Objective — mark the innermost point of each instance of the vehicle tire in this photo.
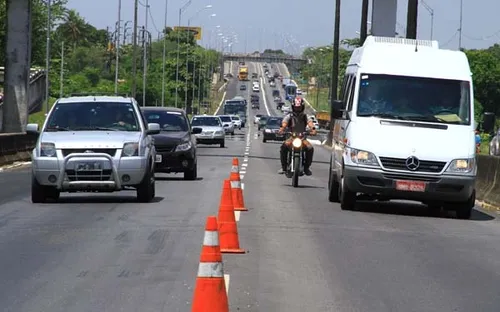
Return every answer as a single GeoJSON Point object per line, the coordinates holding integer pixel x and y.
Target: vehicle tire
{"type": "Point", "coordinates": [53, 193]}
{"type": "Point", "coordinates": [333, 187]}
{"type": "Point", "coordinates": [464, 210]}
{"type": "Point", "coordinates": [296, 171]}
{"type": "Point", "coordinates": [347, 197]}
{"type": "Point", "coordinates": [38, 192]}
{"type": "Point", "coordinates": [146, 190]}
{"type": "Point", "coordinates": [232, 133]}
{"type": "Point", "coordinates": [191, 174]}
{"type": "Point", "coordinates": [223, 144]}
{"type": "Point", "coordinates": [264, 139]}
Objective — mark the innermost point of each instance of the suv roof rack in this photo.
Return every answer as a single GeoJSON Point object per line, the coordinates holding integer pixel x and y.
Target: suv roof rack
{"type": "Point", "coordinates": [99, 94]}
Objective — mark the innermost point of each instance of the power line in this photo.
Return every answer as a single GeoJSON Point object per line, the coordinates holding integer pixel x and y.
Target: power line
{"type": "Point", "coordinates": [495, 34]}
{"type": "Point", "coordinates": [152, 19]}
{"type": "Point", "coordinates": [451, 39]}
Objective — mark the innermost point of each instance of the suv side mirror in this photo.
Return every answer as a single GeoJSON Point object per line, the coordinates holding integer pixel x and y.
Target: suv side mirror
{"type": "Point", "coordinates": [196, 130]}
{"type": "Point", "coordinates": [32, 128]}
{"type": "Point", "coordinates": [337, 109]}
{"type": "Point", "coordinates": [153, 128]}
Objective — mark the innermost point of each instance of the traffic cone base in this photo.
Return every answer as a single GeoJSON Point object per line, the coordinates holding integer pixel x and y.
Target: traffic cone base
{"type": "Point", "coordinates": [229, 238]}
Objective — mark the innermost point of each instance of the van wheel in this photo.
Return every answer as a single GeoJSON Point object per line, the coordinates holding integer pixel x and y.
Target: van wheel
{"type": "Point", "coordinates": [146, 190]}
{"type": "Point", "coordinates": [464, 210]}
{"type": "Point", "coordinates": [333, 188]}
{"type": "Point", "coordinates": [346, 196]}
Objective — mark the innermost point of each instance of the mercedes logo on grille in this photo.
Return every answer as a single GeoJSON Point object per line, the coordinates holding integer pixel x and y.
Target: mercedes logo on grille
{"type": "Point", "coordinates": [412, 163]}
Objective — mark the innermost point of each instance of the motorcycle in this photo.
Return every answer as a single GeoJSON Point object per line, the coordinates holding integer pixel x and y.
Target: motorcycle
{"type": "Point", "coordinates": [296, 158]}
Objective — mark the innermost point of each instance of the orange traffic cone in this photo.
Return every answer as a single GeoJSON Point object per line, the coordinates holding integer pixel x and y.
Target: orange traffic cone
{"type": "Point", "coordinates": [210, 290]}
{"type": "Point", "coordinates": [228, 230]}
{"type": "Point", "coordinates": [236, 190]}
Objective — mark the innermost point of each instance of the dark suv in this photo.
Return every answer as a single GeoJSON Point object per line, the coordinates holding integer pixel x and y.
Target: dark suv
{"type": "Point", "coordinates": [175, 144]}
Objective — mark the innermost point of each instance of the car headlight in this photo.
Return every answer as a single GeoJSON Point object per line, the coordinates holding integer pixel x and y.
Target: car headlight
{"type": "Point", "coordinates": [47, 149]}
{"type": "Point", "coordinates": [268, 130]}
{"type": "Point", "coordinates": [462, 165]}
{"type": "Point", "coordinates": [297, 142]}
{"type": "Point", "coordinates": [130, 149]}
{"type": "Point", "coordinates": [363, 157]}
{"type": "Point", "coordinates": [219, 132]}
{"type": "Point", "coordinates": [183, 147]}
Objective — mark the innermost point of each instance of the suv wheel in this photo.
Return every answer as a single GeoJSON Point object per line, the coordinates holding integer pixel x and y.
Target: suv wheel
{"type": "Point", "coordinates": [146, 190]}
{"type": "Point", "coordinates": [38, 192]}
{"type": "Point", "coordinates": [191, 174]}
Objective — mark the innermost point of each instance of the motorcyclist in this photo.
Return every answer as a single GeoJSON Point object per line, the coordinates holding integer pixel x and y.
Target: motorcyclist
{"type": "Point", "coordinates": [297, 122]}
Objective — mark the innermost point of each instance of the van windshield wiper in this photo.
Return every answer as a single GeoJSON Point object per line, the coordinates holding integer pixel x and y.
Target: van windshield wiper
{"type": "Point", "coordinates": [383, 115]}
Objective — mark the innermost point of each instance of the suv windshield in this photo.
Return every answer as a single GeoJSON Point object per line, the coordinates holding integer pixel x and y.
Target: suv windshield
{"type": "Point", "coordinates": [415, 99]}
{"type": "Point", "coordinates": [235, 118]}
{"type": "Point", "coordinates": [206, 121]}
{"type": "Point", "coordinates": [88, 116]}
{"type": "Point", "coordinates": [168, 121]}
{"type": "Point", "coordinates": [273, 122]}
{"type": "Point", "coordinates": [225, 118]}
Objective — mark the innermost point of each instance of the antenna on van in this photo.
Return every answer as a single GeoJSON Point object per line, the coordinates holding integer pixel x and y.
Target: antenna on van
{"type": "Point", "coordinates": [416, 45]}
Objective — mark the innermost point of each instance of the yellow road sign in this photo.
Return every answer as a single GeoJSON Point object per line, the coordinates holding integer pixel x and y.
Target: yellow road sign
{"type": "Point", "coordinates": [195, 30]}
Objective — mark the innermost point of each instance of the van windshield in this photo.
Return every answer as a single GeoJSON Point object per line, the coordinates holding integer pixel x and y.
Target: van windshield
{"type": "Point", "coordinates": [414, 99]}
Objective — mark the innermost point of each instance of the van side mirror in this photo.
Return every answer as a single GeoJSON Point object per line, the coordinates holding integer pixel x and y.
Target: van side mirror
{"type": "Point", "coordinates": [196, 130]}
{"type": "Point", "coordinates": [337, 109]}
{"type": "Point", "coordinates": [489, 122]}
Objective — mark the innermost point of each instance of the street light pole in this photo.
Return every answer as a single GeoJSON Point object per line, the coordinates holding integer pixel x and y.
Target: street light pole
{"type": "Point", "coordinates": [134, 50]}
{"type": "Point", "coordinates": [164, 55]}
{"type": "Point", "coordinates": [181, 10]}
{"type": "Point", "coordinates": [145, 56]}
{"type": "Point", "coordinates": [117, 45]}
{"type": "Point", "coordinates": [47, 55]}
{"type": "Point", "coordinates": [61, 74]}
{"type": "Point", "coordinates": [431, 12]}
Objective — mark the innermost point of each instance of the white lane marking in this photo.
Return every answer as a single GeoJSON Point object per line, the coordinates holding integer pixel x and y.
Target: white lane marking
{"type": "Point", "coordinates": [227, 278]}
{"type": "Point", "coordinates": [244, 165]}
{"type": "Point", "coordinates": [220, 104]}
{"type": "Point", "coordinates": [242, 186]}
{"type": "Point", "coordinates": [242, 176]}
{"type": "Point", "coordinates": [243, 171]}
{"type": "Point", "coordinates": [245, 159]}
{"type": "Point", "coordinates": [264, 96]}
{"type": "Point", "coordinates": [237, 215]}
{"type": "Point", "coordinates": [247, 153]}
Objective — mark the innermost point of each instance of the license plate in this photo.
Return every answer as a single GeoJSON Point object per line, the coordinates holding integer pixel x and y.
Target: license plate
{"type": "Point", "coordinates": [88, 166]}
{"type": "Point", "coordinates": [158, 159]}
{"type": "Point", "coordinates": [411, 186]}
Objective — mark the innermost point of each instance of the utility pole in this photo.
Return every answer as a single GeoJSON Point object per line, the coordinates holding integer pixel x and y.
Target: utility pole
{"type": "Point", "coordinates": [411, 19]}
{"type": "Point", "coordinates": [461, 23]}
{"type": "Point", "coordinates": [61, 74]}
{"type": "Point", "coordinates": [194, 83]}
{"type": "Point", "coordinates": [164, 55]}
{"type": "Point", "coordinates": [187, 67]}
{"type": "Point", "coordinates": [117, 45]}
{"type": "Point", "coordinates": [335, 64]}
{"type": "Point", "coordinates": [134, 49]}
{"type": "Point", "coordinates": [145, 57]}
{"type": "Point", "coordinates": [47, 55]}
{"type": "Point", "coordinates": [363, 31]}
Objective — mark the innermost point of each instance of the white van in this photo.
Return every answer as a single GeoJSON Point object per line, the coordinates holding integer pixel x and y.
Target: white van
{"type": "Point", "coordinates": [404, 127]}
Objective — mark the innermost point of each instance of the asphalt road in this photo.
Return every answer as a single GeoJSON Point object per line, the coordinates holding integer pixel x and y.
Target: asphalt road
{"type": "Point", "coordinates": [109, 253]}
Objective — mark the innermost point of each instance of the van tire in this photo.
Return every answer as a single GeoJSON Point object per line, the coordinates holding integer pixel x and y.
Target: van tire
{"type": "Point", "coordinates": [346, 196]}
{"type": "Point", "coordinates": [464, 209]}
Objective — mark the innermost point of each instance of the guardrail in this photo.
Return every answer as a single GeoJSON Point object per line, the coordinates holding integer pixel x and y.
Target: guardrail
{"type": "Point", "coordinates": [16, 147]}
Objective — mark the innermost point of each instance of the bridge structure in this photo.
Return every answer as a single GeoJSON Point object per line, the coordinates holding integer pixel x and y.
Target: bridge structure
{"type": "Point", "coordinates": [294, 63]}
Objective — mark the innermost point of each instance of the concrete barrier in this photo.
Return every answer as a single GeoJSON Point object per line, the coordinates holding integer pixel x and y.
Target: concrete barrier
{"type": "Point", "coordinates": [16, 147]}
{"type": "Point", "coordinates": [488, 179]}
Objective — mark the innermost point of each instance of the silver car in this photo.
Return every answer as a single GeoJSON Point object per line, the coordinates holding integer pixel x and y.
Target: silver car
{"type": "Point", "coordinates": [93, 144]}
{"type": "Point", "coordinates": [227, 123]}
{"type": "Point", "coordinates": [212, 131]}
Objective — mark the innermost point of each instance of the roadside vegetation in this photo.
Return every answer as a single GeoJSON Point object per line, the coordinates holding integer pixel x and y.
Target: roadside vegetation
{"type": "Point", "coordinates": [485, 65]}
{"type": "Point", "coordinates": [90, 53]}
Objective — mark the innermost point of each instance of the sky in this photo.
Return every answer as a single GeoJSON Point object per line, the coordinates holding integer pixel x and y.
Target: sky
{"type": "Point", "coordinates": [296, 24]}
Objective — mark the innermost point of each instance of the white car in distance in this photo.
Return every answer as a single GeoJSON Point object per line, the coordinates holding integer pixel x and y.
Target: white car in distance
{"type": "Point", "coordinates": [256, 88]}
{"type": "Point", "coordinates": [236, 121]}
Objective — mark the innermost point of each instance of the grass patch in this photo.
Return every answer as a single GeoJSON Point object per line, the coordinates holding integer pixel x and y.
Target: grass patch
{"type": "Point", "coordinates": [39, 117]}
{"type": "Point", "coordinates": [216, 97]}
{"type": "Point", "coordinates": [317, 98]}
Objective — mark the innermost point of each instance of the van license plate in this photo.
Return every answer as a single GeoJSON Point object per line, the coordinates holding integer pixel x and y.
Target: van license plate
{"type": "Point", "coordinates": [411, 186]}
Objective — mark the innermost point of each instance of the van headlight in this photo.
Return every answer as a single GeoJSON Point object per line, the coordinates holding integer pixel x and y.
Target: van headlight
{"type": "Point", "coordinates": [297, 143]}
{"type": "Point", "coordinates": [130, 149]}
{"type": "Point", "coordinates": [361, 157]}
{"type": "Point", "coordinates": [47, 149]}
{"type": "Point", "coordinates": [465, 165]}
{"type": "Point", "coordinates": [183, 147]}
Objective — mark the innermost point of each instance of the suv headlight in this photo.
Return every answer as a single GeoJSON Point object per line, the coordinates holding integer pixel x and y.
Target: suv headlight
{"type": "Point", "coordinates": [47, 149]}
{"type": "Point", "coordinates": [130, 149]}
{"type": "Point", "coordinates": [183, 146]}
{"type": "Point", "coordinates": [361, 157]}
{"type": "Point", "coordinates": [219, 132]}
{"type": "Point", "coordinates": [465, 165]}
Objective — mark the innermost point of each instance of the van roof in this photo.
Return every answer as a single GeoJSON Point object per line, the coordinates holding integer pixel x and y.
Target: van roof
{"type": "Point", "coordinates": [410, 57]}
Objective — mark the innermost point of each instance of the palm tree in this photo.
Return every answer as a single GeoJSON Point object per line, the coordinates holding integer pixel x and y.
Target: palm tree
{"type": "Point", "coordinates": [74, 28]}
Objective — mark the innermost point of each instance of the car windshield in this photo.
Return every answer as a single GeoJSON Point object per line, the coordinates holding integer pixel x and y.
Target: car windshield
{"type": "Point", "coordinates": [206, 121]}
{"type": "Point", "coordinates": [93, 116]}
{"type": "Point", "coordinates": [225, 118]}
{"type": "Point", "coordinates": [273, 123]}
{"type": "Point", "coordinates": [168, 120]}
{"type": "Point", "coordinates": [263, 119]}
{"type": "Point", "coordinates": [258, 115]}
{"type": "Point", "coordinates": [235, 118]}
{"type": "Point", "coordinates": [415, 99]}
